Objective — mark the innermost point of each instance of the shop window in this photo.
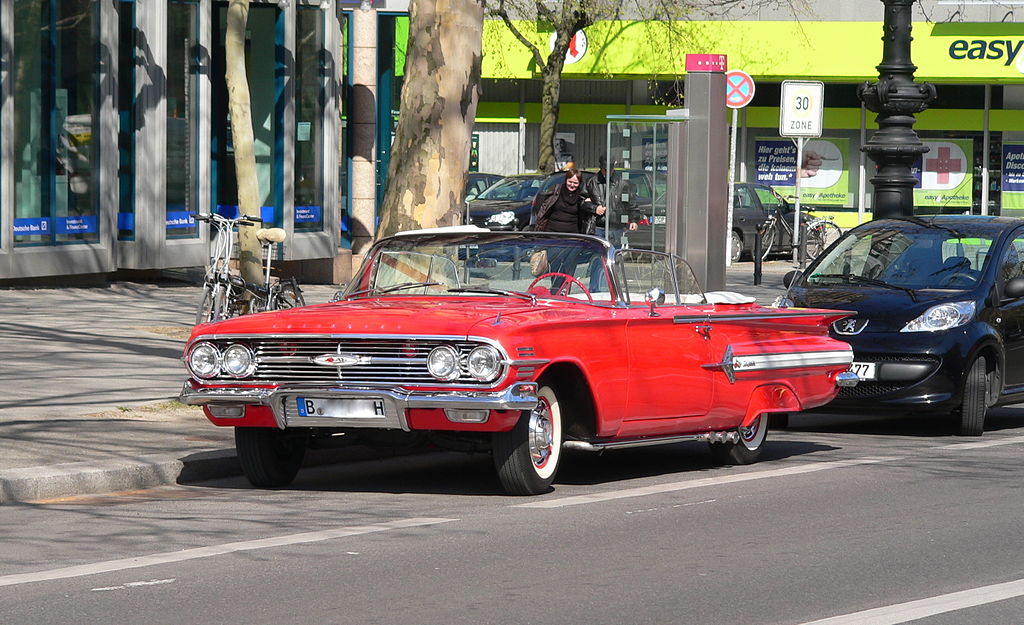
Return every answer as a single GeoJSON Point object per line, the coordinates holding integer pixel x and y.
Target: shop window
{"type": "Point", "coordinates": [55, 131]}
{"type": "Point", "coordinates": [181, 121]}
{"type": "Point", "coordinates": [309, 97]}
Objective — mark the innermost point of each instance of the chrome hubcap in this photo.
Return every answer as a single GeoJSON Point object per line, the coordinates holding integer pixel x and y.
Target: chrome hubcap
{"type": "Point", "coordinates": [541, 434]}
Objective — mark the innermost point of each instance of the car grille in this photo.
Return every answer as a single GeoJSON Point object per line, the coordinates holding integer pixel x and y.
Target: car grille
{"type": "Point", "coordinates": [870, 389]}
{"type": "Point", "coordinates": [383, 361]}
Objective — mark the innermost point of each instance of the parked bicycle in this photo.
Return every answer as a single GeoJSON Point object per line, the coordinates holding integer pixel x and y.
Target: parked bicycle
{"type": "Point", "coordinates": [225, 293]}
{"type": "Point", "coordinates": [818, 233]}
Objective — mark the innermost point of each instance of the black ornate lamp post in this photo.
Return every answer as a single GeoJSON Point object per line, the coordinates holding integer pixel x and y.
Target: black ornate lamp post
{"type": "Point", "coordinates": [896, 98]}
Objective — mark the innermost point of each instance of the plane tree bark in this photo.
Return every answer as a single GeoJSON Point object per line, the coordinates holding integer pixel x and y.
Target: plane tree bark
{"type": "Point", "coordinates": [430, 153]}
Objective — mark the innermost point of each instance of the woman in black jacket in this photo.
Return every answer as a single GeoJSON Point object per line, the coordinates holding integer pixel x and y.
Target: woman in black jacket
{"type": "Point", "coordinates": [569, 208]}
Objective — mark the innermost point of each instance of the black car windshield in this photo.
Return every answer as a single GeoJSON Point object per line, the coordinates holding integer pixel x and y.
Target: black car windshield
{"type": "Point", "coordinates": [904, 256]}
{"type": "Point", "coordinates": [511, 189]}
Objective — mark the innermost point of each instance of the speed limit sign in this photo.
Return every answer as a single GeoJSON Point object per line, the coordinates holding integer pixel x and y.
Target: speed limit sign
{"type": "Point", "coordinates": [801, 108]}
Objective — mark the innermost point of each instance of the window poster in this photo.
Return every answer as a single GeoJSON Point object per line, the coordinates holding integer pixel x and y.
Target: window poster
{"type": "Point", "coordinates": [945, 175]}
{"type": "Point", "coordinates": [1013, 176]}
{"type": "Point", "coordinates": [825, 175]}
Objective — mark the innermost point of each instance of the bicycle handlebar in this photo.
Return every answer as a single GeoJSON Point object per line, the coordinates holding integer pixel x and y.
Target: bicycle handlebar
{"type": "Point", "coordinates": [245, 220]}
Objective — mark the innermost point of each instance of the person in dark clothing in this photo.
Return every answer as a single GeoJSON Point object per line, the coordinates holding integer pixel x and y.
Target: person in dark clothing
{"type": "Point", "coordinates": [568, 208]}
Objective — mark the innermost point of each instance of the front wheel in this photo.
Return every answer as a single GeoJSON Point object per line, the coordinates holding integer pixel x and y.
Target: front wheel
{"type": "Point", "coordinates": [527, 456]}
{"type": "Point", "coordinates": [974, 404]}
{"type": "Point", "coordinates": [748, 449]}
{"type": "Point", "coordinates": [736, 247]}
{"type": "Point", "coordinates": [269, 457]}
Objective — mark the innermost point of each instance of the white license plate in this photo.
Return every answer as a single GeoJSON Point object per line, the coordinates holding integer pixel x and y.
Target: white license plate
{"type": "Point", "coordinates": [369, 408]}
{"type": "Point", "coordinates": [864, 370]}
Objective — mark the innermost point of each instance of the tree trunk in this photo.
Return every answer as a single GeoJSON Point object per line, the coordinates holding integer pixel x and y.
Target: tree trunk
{"type": "Point", "coordinates": [249, 256]}
{"type": "Point", "coordinates": [430, 155]}
{"type": "Point", "coordinates": [549, 104]}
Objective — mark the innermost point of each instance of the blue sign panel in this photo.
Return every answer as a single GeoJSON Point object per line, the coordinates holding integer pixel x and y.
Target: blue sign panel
{"type": "Point", "coordinates": [181, 219]}
{"type": "Point", "coordinates": [29, 225]}
{"type": "Point", "coordinates": [305, 214]}
{"type": "Point", "coordinates": [77, 225]}
{"type": "Point", "coordinates": [775, 163]}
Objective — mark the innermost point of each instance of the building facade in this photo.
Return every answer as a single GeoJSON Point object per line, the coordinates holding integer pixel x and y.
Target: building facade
{"type": "Point", "coordinates": [114, 127]}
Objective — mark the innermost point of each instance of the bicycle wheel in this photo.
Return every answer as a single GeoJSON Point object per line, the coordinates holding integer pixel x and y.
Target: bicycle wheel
{"type": "Point", "coordinates": [287, 295]}
{"type": "Point", "coordinates": [204, 312]}
{"type": "Point", "coordinates": [820, 236]}
{"type": "Point", "coordinates": [768, 239]}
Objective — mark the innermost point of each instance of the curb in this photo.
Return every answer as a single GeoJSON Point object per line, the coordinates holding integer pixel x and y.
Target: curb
{"type": "Point", "coordinates": [133, 473]}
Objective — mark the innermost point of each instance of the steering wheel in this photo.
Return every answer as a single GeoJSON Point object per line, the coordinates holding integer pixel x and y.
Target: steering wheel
{"type": "Point", "coordinates": [960, 278]}
{"type": "Point", "coordinates": [563, 290]}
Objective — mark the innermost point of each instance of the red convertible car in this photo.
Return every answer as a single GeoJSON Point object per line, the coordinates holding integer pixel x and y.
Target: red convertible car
{"type": "Point", "coordinates": [522, 344]}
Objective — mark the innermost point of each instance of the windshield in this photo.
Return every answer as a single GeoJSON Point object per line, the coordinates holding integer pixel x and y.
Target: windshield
{"type": "Point", "coordinates": [511, 189]}
{"type": "Point", "coordinates": [908, 258]}
{"type": "Point", "coordinates": [488, 264]}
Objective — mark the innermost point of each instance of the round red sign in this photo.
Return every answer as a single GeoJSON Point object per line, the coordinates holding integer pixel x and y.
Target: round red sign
{"type": "Point", "coordinates": [739, 88]}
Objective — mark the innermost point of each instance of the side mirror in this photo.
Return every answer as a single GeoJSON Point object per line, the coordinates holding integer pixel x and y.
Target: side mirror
{"type": "Point", "coordinates": [654, 297]}
{"type": "Point", "coordinates": [1014, 289]}
{"type": "Point", "coordinates": [471, 197]}
{"type": "Point", "coordinates": [790, 278]}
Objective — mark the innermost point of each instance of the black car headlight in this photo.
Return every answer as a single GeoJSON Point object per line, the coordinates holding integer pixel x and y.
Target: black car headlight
{"type": "Point", "coordinates": [503, 218]}
{"type": "Point", "coordinates": [942, 317]}
{"type": "Point", "coordinates": [204, 360]}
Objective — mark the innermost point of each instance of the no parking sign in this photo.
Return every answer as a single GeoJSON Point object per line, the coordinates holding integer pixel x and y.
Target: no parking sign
{"type": "Point", "coordinates": [739, 89]}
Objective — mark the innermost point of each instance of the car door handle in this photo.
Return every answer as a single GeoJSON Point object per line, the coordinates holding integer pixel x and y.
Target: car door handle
{"type": "Point", "coordinates": [703, 330]}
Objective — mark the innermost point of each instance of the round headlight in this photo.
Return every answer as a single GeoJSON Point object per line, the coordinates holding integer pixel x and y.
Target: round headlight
{"type": "Point", "coordinates": [204, 360]}
{"type": "Point", "coordinates": [484, 362]}
{"type": "Point", "coordinates": [238, 361]}
{"type": "Point", "coordinates": [443, 363]}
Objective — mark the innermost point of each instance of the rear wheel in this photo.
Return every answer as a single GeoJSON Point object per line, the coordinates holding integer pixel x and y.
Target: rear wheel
{"type": "Point", "coordinates": [204, 312]}
{"type": "Point", "coordinates": [527, 456]}
{"type": "Point", "coordinates": [269, 458]}
{"type": "Point", "coordinates": [767, 241]}
{"type": "Point", "coordinates": [748, 449]}
{"type": "Point", "coordinates": [973, 404]}
{"type": "Point", "coordinates": [289, 296]}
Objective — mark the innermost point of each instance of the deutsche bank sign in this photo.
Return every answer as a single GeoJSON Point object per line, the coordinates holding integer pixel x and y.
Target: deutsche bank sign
{"type": "Point", "coordinates": [801, 109]}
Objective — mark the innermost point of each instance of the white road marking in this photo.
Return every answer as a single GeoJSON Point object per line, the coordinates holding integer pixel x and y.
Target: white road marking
{"type": "Point", "coordinates": [988, 442]}
{"type": "Point", "coordinates": [710, 481]}
{"type": "Point", "coordinates": [214, 550]}
{"type": "Point", "coordinates": [922, 608]}
{"type": "Point", "coordinates": [152, 582]}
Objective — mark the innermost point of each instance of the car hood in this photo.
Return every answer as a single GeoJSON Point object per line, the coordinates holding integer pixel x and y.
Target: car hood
{"type": "Point", "coordinates": [393, 315]}
{"type": "Point", "coordinates": [887, 309]}
{"type": "Point", "coordinates": [495, 206]}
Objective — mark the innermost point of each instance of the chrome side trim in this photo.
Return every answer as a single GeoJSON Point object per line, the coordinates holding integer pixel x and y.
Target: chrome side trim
{"type": "Point", "coordinates": [519, 396]}
{"type": "Point", "coordinates": [792, 360]}
{"type": "Point", "coordinates": [731, 436]}
{"type": "Point", "coordinates": [705, 317]}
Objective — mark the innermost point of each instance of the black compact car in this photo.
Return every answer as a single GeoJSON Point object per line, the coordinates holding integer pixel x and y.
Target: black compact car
{"type": "Point", "coordinates": [506, 204]}
{"type": "Point", "coordinates": [939, 324]}
{"type": "Point", "coordinates": [477, 182]}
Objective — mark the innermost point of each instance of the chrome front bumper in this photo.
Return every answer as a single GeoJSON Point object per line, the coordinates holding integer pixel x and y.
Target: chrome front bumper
{"type": "Point", "coordinates": [519, 396]}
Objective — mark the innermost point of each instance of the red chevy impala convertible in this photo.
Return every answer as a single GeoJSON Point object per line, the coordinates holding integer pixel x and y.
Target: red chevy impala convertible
{"type": "Point", "coordinates": [468, 339]}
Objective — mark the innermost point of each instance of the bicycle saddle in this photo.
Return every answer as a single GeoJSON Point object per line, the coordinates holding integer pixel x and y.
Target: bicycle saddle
{"type": "Point", "coordinates": [271, 235]}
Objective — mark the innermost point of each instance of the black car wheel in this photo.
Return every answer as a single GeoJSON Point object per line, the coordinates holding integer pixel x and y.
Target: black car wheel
{"type": "Point", "coordinates": [736, 251]}
{"type": "Point", "coordinates": [974, 404]}
{"type": "Point", "coordinates": [748, 448]}
{"type": "Point", "coordinates": [527, 456]}
{"type": "Point", "coordinates": [269, 457]}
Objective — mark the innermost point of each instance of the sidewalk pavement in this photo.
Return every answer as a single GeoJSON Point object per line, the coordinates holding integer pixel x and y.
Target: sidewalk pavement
{"type": "Point", "coordinates": [91, 377]}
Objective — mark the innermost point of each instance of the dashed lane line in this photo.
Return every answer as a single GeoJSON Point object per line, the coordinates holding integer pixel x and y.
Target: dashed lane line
{"type": "Point", "coordinates": [577, 500]}
{"type": "Point", "coordinates": [988, 442]}
{"type": "Point", "coordinates": [923, 608]}
{"type": "Point", "coordinates": [214, 550]}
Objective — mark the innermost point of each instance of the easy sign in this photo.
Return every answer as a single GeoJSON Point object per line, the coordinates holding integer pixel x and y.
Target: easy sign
{"type": "Point", "coordinates": [739, 89]}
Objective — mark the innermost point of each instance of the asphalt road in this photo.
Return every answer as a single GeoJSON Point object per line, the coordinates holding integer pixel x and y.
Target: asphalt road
{"type": "Point", "coordinates": [842, 515]}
